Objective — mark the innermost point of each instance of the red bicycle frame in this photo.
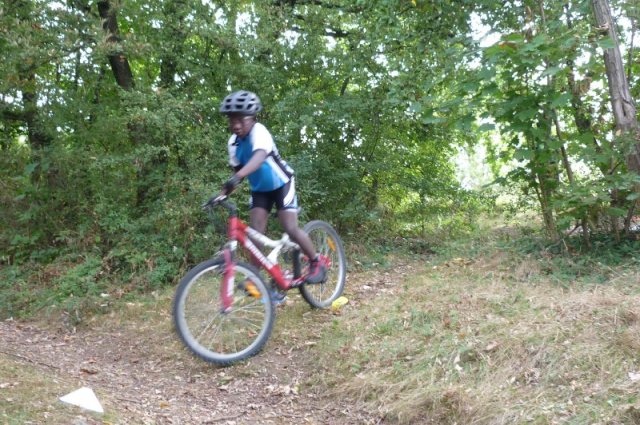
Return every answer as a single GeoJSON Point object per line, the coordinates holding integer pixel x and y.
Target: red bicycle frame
{"type": "Point", "coordinates": [240, 232]}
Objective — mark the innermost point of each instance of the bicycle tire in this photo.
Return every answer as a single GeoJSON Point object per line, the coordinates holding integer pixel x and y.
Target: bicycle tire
{"type": "Point", "coordinates": [326, 242]}
{"type": "Point", "coordinates": [222, 338]}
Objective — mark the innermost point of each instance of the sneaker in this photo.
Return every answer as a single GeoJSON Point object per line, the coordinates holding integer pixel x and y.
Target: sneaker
{"type": "Point", "coordinates": [317, 270]}
{"type": "Point", "coordinates": [277, 297]}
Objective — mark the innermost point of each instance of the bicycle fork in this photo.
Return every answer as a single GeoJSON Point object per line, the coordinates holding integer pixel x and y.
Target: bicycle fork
{"type": "Point", "coordinates": [227, 287]}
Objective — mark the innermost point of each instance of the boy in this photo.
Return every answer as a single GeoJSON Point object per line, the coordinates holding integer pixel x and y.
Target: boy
{"type": "Point", "coordinates": [253, 154]}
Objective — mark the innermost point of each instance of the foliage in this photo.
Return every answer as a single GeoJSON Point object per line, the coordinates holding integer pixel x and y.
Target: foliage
{"type": "Point", "coordinates": [369, 101]}
{"type": "Point", "coordinates": [546, 89]}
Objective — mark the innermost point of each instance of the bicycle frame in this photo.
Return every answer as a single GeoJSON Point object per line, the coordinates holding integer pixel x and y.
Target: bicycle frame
{"type": "Point", "coordinates": [240, 232]}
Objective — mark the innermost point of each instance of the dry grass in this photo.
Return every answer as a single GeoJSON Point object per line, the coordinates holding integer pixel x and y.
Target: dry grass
{"type": "Point", "coordinates": [31, 384]}
{"type": "Point", "coordinates": [492, 341]}
{"type": "Point", "coordinates": [28, 395]}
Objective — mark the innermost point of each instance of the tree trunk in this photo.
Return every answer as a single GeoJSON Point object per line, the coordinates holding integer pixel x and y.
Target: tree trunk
{"type": "Point", "coordinates": [119, 63]}
{"type": "Point", "coordinates": [624, 110]}
{"type": "Point", "coordinates": [586, 238]}
{"type": "Point", "coordinates": [36, 133]}
{"type": "Point", "coordinates": [544, 198]}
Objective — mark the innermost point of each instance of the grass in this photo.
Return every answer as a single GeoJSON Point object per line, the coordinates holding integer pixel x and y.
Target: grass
{"type": "Point", "coordinates": [29, 394]}
{"type": "Point", "coordinates": [501, 328]}
{"type": "Point", "coordinates": [503, 336]}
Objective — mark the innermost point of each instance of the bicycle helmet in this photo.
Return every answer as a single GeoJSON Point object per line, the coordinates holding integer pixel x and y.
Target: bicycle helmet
{"type": "Point", "coordinates": [241, 102]}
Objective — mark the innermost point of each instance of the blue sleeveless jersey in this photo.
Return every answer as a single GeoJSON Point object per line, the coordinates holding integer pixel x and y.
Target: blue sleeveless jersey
{"type": "Point", "coordinates": [274, 171]}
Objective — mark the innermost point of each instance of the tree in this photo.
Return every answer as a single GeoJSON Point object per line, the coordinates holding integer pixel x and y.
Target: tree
{"type": "Point", "coordinates": [117, 59]}
{"type": "Point", "coordinates": [622, 104]}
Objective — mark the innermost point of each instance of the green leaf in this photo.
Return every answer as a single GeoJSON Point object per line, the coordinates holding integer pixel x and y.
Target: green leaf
{"type": "Point", "coordinates": [416, 107]}
{"type": "Point", "coordinates": [30, 168]}
{"type": "Point", "coordinates": [514, 37]}
{"type": "Point", "coordinates": [552, 70]}
{"type": "Point", "coordinates": [616, 212]}
{"type": "Point", "coordinates": [432, 120]}
{"type": "Point", "coordinates": [606, 43]}
{"type": "Point", "coordinates": [523, 154]}
{"type": "Point", "coordinates": [538, 133]}
{"type": "Point", "coordinates": [554, 143]}
{"type": "Point", "coordinates": [586, 138]}
{"type": "Point", "coordinates": [470, 86]}
{"type": "Point", "coordinates": [486, 73]}
{"type": "Point", "coordinates": [527, 114]}
{"type": "Point", "coordinates": [465, 123]}
{"type": "Point", "coordinates": [539, 39]}
{"type": "Point", "coordinates": [493, 52]}
{"type": "Point", "coordinates": [486, 127]}
{"type": "Point", "coordinates": [561, 100]}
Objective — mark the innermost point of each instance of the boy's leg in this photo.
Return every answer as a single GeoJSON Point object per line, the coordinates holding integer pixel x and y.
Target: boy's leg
{"type": "Point", "coordinates": [258, 219]}
{"type": "Point", "coordinates": [289, 221]}
{"type": "Point", "coordinates": [287, 205]}
{"type": "Point", "coordinates": [317, 268]}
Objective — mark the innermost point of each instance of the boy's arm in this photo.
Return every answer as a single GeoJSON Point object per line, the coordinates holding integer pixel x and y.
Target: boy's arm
{"type": "Point", "coordinates": [254, 163]}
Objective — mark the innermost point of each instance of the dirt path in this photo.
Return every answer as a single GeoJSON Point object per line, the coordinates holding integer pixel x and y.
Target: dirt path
{"type": "Point", "coordinates": [132, 377]}
{"type": "Point", "coordinates": [143, 375]}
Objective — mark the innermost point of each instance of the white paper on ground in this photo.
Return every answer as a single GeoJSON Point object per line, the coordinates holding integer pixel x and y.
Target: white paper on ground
{"type": "Point", "coordinates": [85, 398]}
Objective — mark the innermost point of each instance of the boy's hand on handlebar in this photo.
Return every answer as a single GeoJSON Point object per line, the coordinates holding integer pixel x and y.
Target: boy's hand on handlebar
{"type": "Point", "coordinates": [230, 185]}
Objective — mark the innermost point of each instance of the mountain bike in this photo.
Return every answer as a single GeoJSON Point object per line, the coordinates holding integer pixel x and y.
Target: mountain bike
{"type": "Point", "coordinates": [222, 308]}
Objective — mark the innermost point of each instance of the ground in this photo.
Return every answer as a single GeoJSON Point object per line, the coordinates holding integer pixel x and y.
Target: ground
{"type": "Point", "coordinates": [145, 384]}
{"type": "Point", "coordinates": [142, 374]}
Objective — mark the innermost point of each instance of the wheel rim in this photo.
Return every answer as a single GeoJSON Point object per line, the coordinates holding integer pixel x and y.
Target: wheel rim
{"type": "Point", "coordinates": [211, 333]}
{"type": "Point", "coordinates": [327, 246]}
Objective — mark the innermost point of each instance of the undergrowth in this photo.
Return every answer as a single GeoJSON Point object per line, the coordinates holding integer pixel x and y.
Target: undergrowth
{"type": "Point", "coordinates": [81, 283]}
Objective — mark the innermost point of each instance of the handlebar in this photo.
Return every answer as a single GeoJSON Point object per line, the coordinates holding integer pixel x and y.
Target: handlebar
{"type": "Point", "coordinates": [221, 200]}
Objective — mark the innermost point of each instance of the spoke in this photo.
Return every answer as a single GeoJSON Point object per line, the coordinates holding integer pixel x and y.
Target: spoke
{"type": "Point", "coordinates": [213, 336]}
{"type": "Point", "coordinates": [250, 308]}
{"type": "Point", "coordinates": [230, 322]}
{"type": "Point", "coordinates": [246, 321]}
{"type": "Point", "coordinates": [209, 325]}
{"type": "Point", "coordinates": [249, 314]}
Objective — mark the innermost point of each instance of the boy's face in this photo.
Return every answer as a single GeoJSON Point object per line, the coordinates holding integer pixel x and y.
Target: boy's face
{"type": "Point", "coordinates": [241, 125]}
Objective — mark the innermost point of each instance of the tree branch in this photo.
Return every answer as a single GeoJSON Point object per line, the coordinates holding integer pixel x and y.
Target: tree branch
{"type": "Point", "coordinates": [294, 3]}
{"type": "Point", "coordinates": [12, 114]}
{"type": "Point", "coordinates": [329, 32]}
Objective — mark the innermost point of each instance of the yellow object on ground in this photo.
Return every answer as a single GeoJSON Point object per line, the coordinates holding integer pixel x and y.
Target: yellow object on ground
{"type": "Point", "coordinates": [338, 303]}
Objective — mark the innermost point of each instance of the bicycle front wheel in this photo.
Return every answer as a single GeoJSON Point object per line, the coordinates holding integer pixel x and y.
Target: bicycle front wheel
{"type": "Point", "coordinates": [217, 336]}
{"type": "Point", "coordinates": [326, 242]}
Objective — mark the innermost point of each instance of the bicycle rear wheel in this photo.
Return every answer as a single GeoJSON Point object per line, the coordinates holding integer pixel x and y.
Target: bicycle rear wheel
{"type": "Point", "coordinates": [221, 337]}
{"type": "Point", "coordinates": [327, 243]}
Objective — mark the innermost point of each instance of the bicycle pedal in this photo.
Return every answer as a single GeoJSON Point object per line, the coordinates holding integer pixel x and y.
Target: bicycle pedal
{"type": "Point", "coordinates": [251, 289]}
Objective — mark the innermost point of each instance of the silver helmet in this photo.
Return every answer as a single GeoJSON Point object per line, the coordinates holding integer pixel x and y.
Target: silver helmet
{"type": "Point", "coordinates": [241, 102]}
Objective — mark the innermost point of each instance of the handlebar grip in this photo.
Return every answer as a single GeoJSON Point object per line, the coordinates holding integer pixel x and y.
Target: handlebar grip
{"type": "Point", "coordinates": [213, 201]}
